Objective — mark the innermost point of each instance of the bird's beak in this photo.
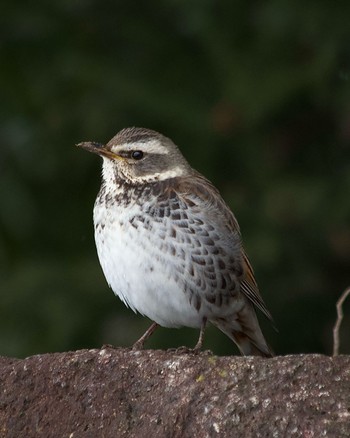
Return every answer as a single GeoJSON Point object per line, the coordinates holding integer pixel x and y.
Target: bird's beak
{"type": "Point", "coordinates": [99, 149]}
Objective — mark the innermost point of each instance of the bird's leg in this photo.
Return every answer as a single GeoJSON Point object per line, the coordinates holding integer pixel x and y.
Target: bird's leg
{"type": "Point", "coordinates": [140, 342]}
{"type": "Point", "coordinates": [201, 335]}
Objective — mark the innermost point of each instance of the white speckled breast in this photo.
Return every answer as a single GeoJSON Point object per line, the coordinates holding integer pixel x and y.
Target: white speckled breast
{"type": "Point", "coordinates": [137, 269]}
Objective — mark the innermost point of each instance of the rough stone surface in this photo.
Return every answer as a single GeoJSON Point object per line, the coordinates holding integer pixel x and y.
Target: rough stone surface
{"type": "Point", "coordinates": [125, 393]}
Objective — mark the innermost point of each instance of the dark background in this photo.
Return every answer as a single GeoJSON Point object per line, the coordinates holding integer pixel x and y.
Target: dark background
{"type": "Point", "coordinates": [257, 96]}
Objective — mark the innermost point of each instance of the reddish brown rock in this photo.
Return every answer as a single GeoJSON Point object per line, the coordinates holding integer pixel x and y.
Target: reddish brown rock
{"type": "Point", "coordinates": [123, 393]}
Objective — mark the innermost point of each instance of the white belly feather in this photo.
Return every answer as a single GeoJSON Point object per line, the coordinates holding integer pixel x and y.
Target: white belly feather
{"type": "Point", "coordinates": [130, 263]}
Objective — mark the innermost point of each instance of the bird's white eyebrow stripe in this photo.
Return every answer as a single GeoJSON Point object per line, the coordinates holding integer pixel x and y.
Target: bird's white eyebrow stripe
{"type": "Point", "coordinates": [174, 172]}
{"type": "Point", "coordinates": [150, 146]}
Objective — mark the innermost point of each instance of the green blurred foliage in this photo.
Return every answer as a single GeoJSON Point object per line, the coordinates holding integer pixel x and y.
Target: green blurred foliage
{"type": "Point", "coordinates": [257, 96]}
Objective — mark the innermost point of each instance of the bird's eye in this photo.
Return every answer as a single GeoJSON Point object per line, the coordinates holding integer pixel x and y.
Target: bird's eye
{"type": "Point", "coordinates": [137, 155]}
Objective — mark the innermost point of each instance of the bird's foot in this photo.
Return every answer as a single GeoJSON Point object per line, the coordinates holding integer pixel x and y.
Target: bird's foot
{"type": "Point", "coordinates": [138, 345]}
{"type": "Point", "coordinates": [108, 346]}
{"type": "Point", "coordinates": [182, 350]}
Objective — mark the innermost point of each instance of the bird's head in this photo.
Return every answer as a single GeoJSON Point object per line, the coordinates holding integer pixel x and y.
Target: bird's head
{"type": "Point", "coordinates": [139, 155]}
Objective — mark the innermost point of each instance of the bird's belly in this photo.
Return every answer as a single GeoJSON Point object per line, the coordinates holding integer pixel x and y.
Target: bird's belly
{"type": "Point", "coordinates": [139, 274]}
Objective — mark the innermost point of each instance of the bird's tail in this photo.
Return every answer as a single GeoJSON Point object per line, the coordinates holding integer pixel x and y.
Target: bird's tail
{"type": "Point", "coordinates": [245, 332]}
{"type": "Point", "coordinates": [248, 346]}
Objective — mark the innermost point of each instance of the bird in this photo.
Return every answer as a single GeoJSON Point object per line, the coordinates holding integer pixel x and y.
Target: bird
{"type": "Point", "coordinates": [169, 246]}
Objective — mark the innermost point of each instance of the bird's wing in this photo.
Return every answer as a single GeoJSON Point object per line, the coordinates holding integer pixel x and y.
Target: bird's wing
{"type": "Point", "coordinates": [204, 210]}
{"type": "Point", "coordinates": [250, 288]}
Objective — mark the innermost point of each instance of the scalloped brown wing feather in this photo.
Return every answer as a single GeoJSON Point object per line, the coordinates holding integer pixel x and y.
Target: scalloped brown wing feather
{"type": "Point", "coordinates": [196, 191]}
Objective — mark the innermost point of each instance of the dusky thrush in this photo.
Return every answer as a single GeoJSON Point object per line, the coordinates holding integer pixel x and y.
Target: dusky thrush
{"type": "Point", "coordinates": [168, 244]}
